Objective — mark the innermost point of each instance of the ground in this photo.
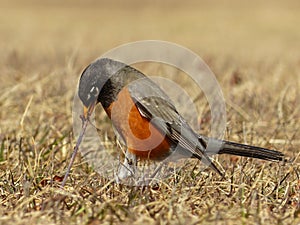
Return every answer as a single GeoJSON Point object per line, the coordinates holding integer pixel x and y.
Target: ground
{"type": "Point", "coordinates": [252, 48]}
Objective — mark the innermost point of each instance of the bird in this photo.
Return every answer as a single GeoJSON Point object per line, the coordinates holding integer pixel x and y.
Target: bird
{"type": "Point", "coordinates": [146, 120]}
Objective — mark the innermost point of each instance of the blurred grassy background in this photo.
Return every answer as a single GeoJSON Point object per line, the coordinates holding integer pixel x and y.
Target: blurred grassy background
{"type": "Point", "coordinates": [253, 48]}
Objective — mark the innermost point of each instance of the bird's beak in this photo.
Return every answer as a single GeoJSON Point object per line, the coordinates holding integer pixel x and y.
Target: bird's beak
{"type": "Point", "coordinates": [87, 111]}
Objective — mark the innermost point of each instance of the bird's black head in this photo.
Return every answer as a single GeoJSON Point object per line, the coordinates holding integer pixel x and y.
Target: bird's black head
{"type": "Point", "coordinates": [95, 81]}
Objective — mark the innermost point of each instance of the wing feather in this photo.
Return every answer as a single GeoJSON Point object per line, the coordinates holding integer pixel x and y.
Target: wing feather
{"type": "Point", "coordinates": [157, 107]}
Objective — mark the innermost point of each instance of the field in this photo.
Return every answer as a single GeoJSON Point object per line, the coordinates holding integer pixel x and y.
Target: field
{"type": "Point", "coordinates": [252, 48]}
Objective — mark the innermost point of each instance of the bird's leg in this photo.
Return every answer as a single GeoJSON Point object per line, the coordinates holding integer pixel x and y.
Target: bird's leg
{"type": "Point", "coordinates": [127, 168]}
{"type": "Point", "coordinates": [158, 168]}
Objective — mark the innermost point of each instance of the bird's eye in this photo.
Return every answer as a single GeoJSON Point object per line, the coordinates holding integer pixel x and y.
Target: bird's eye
{"type": "Point", "coordinates": [94, 91]}
{"type": "Point", "coordinates": [89, 96]}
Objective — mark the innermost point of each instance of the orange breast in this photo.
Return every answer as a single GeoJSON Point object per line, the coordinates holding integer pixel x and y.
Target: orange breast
{"type": "Point", "coordinates": [141, 137]}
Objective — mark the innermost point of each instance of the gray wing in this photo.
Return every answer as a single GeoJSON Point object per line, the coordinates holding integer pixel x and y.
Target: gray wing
{"type": "Point", "coordinates": [156, 106]}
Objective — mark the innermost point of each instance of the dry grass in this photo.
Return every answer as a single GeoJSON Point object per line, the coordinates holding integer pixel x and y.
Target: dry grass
{"type": "Point", "coordinates": [254, 51]}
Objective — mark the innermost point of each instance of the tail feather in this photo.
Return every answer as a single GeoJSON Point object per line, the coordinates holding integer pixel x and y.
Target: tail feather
{"type": "Point", "coordinates": [232, 148]}
{"type": "Point", "coordinates": [250, 151]}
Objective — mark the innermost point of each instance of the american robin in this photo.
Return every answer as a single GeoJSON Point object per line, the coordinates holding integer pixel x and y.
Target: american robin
{"type": "Point", "coordinates": [147, 121]}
